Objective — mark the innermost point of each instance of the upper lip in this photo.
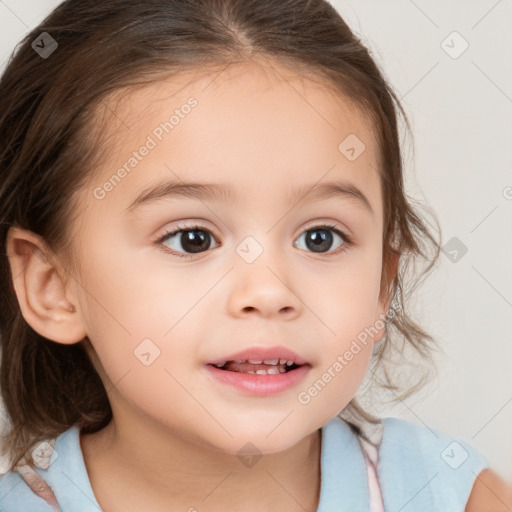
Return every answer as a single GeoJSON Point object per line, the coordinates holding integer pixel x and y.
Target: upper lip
{"type": "Point", "coordinates": [262, 354]}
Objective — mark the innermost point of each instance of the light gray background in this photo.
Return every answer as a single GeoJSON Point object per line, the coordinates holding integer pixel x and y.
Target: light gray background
{"type": "Point", "coordinates": [461, 114]}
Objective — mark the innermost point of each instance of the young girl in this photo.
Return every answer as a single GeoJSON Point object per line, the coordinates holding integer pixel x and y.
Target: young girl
{"type": "Point", "coordinates": [205, 238]}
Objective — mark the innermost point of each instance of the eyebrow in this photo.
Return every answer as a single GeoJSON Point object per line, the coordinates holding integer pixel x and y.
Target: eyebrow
{"type": "Point", "coordinates": [226, 192]}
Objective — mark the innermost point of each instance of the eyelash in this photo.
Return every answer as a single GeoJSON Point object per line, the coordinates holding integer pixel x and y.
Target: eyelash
{"type": "Point", "coordinates": [347, 241]}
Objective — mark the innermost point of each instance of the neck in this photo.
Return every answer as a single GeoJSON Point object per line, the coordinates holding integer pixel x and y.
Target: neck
{"type": "Point", "coordinates": [154, 472]}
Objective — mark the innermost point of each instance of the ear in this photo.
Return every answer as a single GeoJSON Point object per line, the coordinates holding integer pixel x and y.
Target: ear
{"type": "Point", "coordinates": [388, 276]}
{"type": "Point", "coordinates": [40, 286]}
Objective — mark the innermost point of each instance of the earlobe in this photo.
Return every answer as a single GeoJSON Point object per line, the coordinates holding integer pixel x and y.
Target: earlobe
{"type": "Point", "coordinates": [40, 288]}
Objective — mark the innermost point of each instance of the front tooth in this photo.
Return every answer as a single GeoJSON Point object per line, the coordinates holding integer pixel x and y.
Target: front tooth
{"type": "Point", "coordinates": [282, 361]}
{"type": "Point", "coordinates": [254, 361]}
{"type": "Point", "coordinates": [270, 371]}
{"type": "Point", "coordinates": [289, 363]}
{"type": "Point", "coordinates": [271, 361]}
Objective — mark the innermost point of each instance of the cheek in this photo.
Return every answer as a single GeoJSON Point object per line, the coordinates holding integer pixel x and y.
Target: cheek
{"type": "Point", "coordinates": [143, 322]}
{"type": "Point", "coordinates": [347, 302]}
{"type": "Point", "coordinates": [343, 296]}
{"type": "Point", "coordinates": [128, 293]}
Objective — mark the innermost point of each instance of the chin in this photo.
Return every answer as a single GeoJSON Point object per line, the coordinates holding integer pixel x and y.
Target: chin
{"type": "Point", "coordinates": [261, 441]}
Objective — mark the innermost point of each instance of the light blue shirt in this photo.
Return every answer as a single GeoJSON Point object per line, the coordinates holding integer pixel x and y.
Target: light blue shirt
{"type": "Point", "coordinates": [420, 470]}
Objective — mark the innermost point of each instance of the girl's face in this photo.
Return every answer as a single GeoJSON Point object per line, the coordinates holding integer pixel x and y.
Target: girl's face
{"type": "Point", "coordinates": [260, 270]}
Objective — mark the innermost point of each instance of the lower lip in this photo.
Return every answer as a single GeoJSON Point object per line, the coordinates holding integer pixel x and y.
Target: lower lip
{"type": "Point", "coordinates": [259, 385]}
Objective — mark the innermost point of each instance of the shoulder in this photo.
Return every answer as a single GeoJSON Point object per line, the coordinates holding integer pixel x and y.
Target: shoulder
{"type": "Point", "coordinates": [39, 488]}
{"type": "Point", "coordinates": [490, 493]}
{"type": "Point", "coordinates": [430, 445]}
{"type": "Point", "coordinates": [442, 467]}
{"type": "Point", "coordinates": [25, 489]}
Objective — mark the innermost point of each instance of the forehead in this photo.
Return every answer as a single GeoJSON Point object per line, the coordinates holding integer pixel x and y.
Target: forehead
{"type": "Point", "coordinates": [258, 126]}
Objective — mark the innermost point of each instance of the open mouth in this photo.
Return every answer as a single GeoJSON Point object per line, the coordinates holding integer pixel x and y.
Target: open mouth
{"type": "Point", "coordinates": [268, 367]}
{"type": "Point", "coordinates": [256, 376]}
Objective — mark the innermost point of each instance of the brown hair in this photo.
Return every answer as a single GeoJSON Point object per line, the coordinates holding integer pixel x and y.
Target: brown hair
{"type": "Point", "coordinates": [50, 145]}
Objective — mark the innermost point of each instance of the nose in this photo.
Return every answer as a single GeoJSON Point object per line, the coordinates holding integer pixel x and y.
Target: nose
{"type": "Point", "coordinates": [264, 287]}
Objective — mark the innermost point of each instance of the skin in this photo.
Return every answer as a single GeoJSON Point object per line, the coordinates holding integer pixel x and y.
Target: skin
{"type": "Point", "coordinates": [173, 442]}
{"type": "Point", "coordinates": [490, 493]}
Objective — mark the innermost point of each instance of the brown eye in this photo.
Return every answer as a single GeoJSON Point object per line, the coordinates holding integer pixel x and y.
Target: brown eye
{"type": "Point", "coordinates": [189, 240]}
{"type": "Point", "coordinates": [320, 239]}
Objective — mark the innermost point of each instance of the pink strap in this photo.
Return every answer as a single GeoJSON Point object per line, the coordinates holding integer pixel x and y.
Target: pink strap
{"type": "Point", "coordinates": [371, 457]}
{"type": "Point", "coordinates": [38, 485]}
